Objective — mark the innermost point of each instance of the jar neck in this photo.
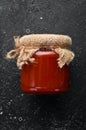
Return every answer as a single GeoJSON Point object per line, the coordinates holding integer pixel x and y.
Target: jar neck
{"type": "Point", "coordinates": [45, 49]}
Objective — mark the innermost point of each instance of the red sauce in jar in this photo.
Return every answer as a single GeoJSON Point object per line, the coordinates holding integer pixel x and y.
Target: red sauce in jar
{"type": "Point", "coordinates": [44, 76]}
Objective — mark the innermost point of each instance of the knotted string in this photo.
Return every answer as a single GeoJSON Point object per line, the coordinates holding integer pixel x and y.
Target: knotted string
{"type": "Point", "coordinates": [23, 54]}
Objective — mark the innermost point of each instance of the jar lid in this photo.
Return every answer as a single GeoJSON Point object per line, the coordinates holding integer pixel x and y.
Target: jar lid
{"type": "Point", "coordinates": [44, 40]}
{"type": "Point", "coordinates": [27, 45]}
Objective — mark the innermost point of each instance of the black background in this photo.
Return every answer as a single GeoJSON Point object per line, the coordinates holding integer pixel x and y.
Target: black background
{"type": "Point", "coordinates": [20, 111]}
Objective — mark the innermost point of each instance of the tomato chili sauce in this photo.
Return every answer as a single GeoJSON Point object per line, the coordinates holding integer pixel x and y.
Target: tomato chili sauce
{"type": "Point", "coordinates": [44, 62]}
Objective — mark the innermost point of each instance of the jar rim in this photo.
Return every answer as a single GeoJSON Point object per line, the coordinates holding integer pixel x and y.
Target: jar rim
{"type": "Point", "coordinates": [41, 40]}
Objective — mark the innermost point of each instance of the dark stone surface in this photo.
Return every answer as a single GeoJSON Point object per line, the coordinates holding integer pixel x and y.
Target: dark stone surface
{"type": "Point", "coordinates": [19, 111]}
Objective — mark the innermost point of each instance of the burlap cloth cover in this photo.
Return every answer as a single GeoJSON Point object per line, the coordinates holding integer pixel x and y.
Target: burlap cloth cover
{"type": "Point", "coordinates": [27, 45]}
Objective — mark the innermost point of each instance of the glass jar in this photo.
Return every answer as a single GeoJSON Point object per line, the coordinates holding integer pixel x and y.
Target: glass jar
{"type": "Point", "coordinates": [44, 62]}
{"type": "Point", "coordinates": [44, 76]}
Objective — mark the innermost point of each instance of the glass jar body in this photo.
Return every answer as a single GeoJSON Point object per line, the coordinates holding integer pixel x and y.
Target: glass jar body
{"type": "Point", "coordinates": [44, 76]}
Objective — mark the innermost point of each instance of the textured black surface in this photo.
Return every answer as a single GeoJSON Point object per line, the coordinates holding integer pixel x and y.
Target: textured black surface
{"type": "Point", "coordinates": [19, 111]}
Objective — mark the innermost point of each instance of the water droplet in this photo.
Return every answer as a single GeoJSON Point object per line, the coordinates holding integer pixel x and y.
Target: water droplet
{"type": "Point", "coordinates": [41, 18]}
{"type": "Point", "coordinates": [9, 8]}
{"type": "Point", "coordinates": [20, 119]}
{"type": "Point", "coordinates": [10, 117]}
{"type": "Point", "coordinates": [4, 32]}
{"type": "Point", "coordinates": [1, 8]}
{"type": "Point", "coordinates": [27, 30]}
{"type": "Point", "coordinates": [22, 94]}
{"type": "Point", "coordinates": [9, 114]}
{"type": "Point", "coordinates": [14, 117]}
{"type": "Point", "coordinates": [30, 11]}
{"type": "Point", "coordinates": [9, 103]}
{"type": "Point", "coordinates": [11, 100]}
{"type": "Point", "coordinates": [1, 112]}
{"type": "Point", "coordinates": [20, 128]}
